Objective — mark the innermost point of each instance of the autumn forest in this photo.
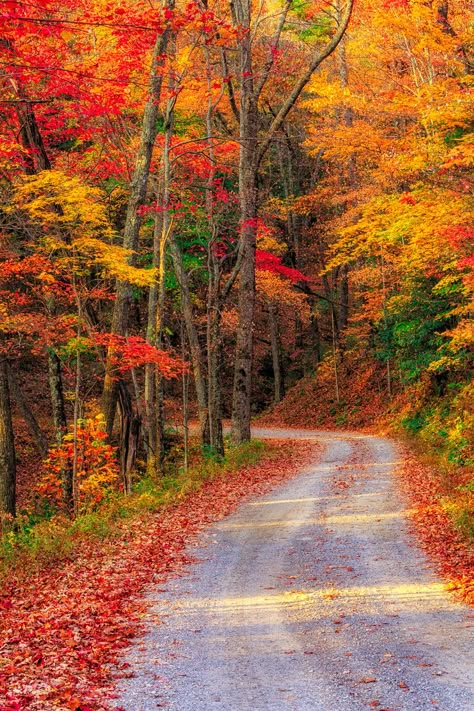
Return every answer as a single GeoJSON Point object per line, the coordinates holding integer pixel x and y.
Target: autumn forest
{"type": "Point", "coordinates": [215, 214]}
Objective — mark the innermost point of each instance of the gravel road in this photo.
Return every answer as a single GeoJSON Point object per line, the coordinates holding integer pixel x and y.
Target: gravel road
{"type": "Point", "coordinates": [313, 597]}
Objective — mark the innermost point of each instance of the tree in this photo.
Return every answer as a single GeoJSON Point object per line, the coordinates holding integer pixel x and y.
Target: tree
{"type": "Point", "coordinates": [254, 144]}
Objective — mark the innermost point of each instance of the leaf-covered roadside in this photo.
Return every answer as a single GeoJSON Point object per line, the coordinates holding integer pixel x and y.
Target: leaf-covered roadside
{"type": "Point", "coordinates": [436, 529]}
{"type": "Point", "coordinates": [62, 633]}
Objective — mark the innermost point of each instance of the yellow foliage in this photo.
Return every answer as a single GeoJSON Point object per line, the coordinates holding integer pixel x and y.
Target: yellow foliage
{"type": "Point", "coordinates": [54, 198]}
{"type": "Point", "coordinates": [76, 226]}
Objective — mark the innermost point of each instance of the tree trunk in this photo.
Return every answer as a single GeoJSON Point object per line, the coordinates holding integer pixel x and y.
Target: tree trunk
{"type": "Point", "coordinates": [38, 437]}
{"type": "Point", "coordinates": [130, 426]}
{"type": "Point", "coordinates": [278, 385]}
{"type": "Point", "coordinates": [216, 433]}
{"type": "Point", "coordinates": [214, 305]}
{"type": "Point", "coordinates": [153, 380]}
{"type": "Point", "coordinates": [60, 426]}
{"type": "Point", "coordinates": [248, 168]}
{"type": "Point", "coordinates": [193, 339]}
{"type": "Point", "coordinates": [7, 446]}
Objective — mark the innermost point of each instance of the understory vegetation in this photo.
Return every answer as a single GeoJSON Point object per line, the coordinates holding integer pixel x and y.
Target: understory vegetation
{"type": "Point", "coordinates": [44, 538]}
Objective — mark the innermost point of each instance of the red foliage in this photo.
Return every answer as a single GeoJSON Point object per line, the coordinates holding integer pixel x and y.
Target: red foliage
{"type": "Point", "coordinates": [460, 236]}
{"type": "Point", "coordinates": [267, 262]}
{"type": "Point", "coordinates": [134, 351]}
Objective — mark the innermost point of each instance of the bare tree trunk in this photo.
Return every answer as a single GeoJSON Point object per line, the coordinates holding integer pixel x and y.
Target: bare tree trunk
{"type": "Point", "coordinates": [216, 433]}
{"type": "Point", "coordinates": [213, 320]}
{"type": "Point", "coordinates": [348, 119]}
{"type": "Point", "coordinates": [248, 168]}
{"type": "Point", "coordinates": [60, 426]}
{"type": "Point", "coordinates": [241, 405]}
{"type": "Point", "coordinates": [185, 393]}
{"type": "Point", "coordinates": [7, 446]}
{"type": "Point", "coordinates": [278, 385]}
{"type": "Point", "coordinates": [197, 359]}
{"type": "Point", "coordinates": [153, 380]}
{"type": "Point", "coordinates": [37, 435]}
{"type": "Point", "coordinates": [129, 436]}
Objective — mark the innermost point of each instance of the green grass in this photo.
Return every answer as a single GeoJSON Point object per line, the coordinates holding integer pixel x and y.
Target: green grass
{"type": "Point", "coordinates": [35, 542]}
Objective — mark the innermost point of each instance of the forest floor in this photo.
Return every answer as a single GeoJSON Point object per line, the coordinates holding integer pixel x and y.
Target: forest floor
{"type": "Point", "coordinates": [313, 596]}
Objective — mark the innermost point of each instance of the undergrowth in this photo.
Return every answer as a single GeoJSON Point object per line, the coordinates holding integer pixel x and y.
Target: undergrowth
{"type": "Point", "coordinates": [442, 430]}
{"type": "Point", "coordinates": [35, 540]}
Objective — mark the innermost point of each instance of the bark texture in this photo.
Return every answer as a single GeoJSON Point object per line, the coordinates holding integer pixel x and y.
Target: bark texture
{"type": "Point", "coordinates": [60, 425]}
{"type": "Point", "coordinates": [7, 446]}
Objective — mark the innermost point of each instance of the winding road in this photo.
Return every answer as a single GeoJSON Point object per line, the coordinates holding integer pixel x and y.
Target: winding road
{"type": "Point", "coordinates": [313, 597]}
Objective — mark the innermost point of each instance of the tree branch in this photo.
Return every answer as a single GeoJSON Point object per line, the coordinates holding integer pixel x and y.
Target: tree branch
{"type": "Point", "coordinates": [275, 41]}
{"type": "Point", "coordinates": [304, 79]}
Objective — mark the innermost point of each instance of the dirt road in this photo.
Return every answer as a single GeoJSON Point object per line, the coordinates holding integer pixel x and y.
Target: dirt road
{"type": "Point", "coordinates": [314, 597]}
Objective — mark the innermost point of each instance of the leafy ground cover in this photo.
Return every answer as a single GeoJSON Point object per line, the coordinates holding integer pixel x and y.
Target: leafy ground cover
{"type": "Point", "coordinates": [70, 607]}
{"type": "Point", "coordinates": [439, 505]}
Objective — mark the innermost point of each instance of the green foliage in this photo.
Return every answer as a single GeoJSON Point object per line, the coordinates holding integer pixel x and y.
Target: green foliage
{"type": "Point", "coordinates": [445, 424]}
{"type": "Point", "coordinates": [414, 423]}
{"type": "Point", "coordinates": [319, 29]}
{"type": "Point", "coordinates": [412, 330]}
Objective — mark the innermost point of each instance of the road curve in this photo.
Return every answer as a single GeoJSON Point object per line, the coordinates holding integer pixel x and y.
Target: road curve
{"type": "Point", "coordinates": [314, 597]}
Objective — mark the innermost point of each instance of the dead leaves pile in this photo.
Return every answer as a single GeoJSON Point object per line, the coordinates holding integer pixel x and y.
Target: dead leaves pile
{"type": "Point", "coordinates": [62, 633]}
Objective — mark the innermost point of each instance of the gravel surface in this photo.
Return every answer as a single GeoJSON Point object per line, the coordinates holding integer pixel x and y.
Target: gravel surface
{"type": "Point", "coordinates": [313, 597]}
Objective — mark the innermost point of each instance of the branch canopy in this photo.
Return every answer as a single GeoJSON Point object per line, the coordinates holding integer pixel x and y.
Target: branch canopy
{"type": "Point", "coordinates": [305, 77]}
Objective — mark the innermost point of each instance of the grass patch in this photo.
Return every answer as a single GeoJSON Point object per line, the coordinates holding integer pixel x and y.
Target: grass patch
{"type": "Point", "coordinates": [34, 543]}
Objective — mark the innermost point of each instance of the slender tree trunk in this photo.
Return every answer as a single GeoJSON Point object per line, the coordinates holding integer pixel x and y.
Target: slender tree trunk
{"type": "Point", "coordinates": [37, 435]}
{"type": "Point", "coordinates": [185, 393]}
{"type": "Point", "coordinates": [278, 389]}
{"type": "Point", "coordinates": [60, 425]}
{"type": "Point", "coordinates": [348, 119]}
{"type": "Point", "coordinates": [197, 359]}
{"type": "Point", "coordinates": [213, 320]}
{"type": "Point", "coordinates": [7, 446]}
{"type": "Point", "coordinates": [248, 169]}
{"type": "Point", "coordinates": [335, 354]}
{"type": "Point", "coordinates": [137, 195]}
{"type": "Point", "coordinates": [159, 380]}
{"type": "Point", "coordinates": [77, 415]}
{"type": "Point", "coordinates": [216, 433]}
{"type": "Point", "coordinates": [153, 379]}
